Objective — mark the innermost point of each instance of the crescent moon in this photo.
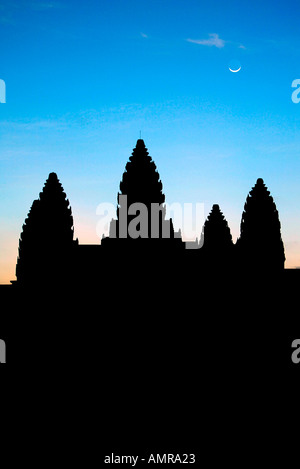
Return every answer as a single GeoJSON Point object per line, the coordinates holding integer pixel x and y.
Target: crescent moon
{"type": "Point", "coordinates": [235, 71]}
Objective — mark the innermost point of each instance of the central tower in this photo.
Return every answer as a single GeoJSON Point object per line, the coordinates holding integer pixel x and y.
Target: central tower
{"type": "Point", "coordinates": [141, 212]}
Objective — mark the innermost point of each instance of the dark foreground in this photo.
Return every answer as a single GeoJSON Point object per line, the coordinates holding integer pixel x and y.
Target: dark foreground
{"type": "Point", "coordinates": [137, 365]}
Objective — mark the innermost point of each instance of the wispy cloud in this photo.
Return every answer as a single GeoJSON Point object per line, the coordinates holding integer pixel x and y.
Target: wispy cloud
{"type": "Point", "coordinates": [144, 35]}
{"type": "Point", "coordinates": [214, 40]}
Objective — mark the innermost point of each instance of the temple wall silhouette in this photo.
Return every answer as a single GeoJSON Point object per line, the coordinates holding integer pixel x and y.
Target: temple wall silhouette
{"type": "Point", "coordinates": [149, 303]}
{"type": "Point", "coordinates": [49, 255]}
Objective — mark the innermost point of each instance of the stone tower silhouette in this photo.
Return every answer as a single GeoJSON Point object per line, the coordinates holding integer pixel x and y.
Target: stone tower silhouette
{"type": "Point", "coordinates": [260, 246]}
{"type": "Point", "coordinates": [216, 232]}
{"type": "Point", "coordinates": [46, 241]}
{"type": "Point", "coordinates": [216, 240]}
{"type": "Point", "coordinates": [141, 184]}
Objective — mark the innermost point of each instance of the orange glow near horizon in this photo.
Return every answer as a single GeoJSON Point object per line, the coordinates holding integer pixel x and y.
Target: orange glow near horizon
{"type": "Point", "coordinates": [87, 235]}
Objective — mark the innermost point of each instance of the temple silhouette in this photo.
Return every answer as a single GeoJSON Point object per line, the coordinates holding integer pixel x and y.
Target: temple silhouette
{"type": "Point", "coordinates": [49, 254]}
{"type": "Point", "coordinates": [155, 332]}
{"type": "Point", "coordinates": [143, 277]}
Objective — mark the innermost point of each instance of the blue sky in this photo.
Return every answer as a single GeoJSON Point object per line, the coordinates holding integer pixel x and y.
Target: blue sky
{"type": "Point", "coordinates": [83, 78]}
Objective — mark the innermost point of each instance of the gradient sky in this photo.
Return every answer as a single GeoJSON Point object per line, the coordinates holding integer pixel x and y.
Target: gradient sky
{"type": "Point", "coordinates": [83, 78]}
